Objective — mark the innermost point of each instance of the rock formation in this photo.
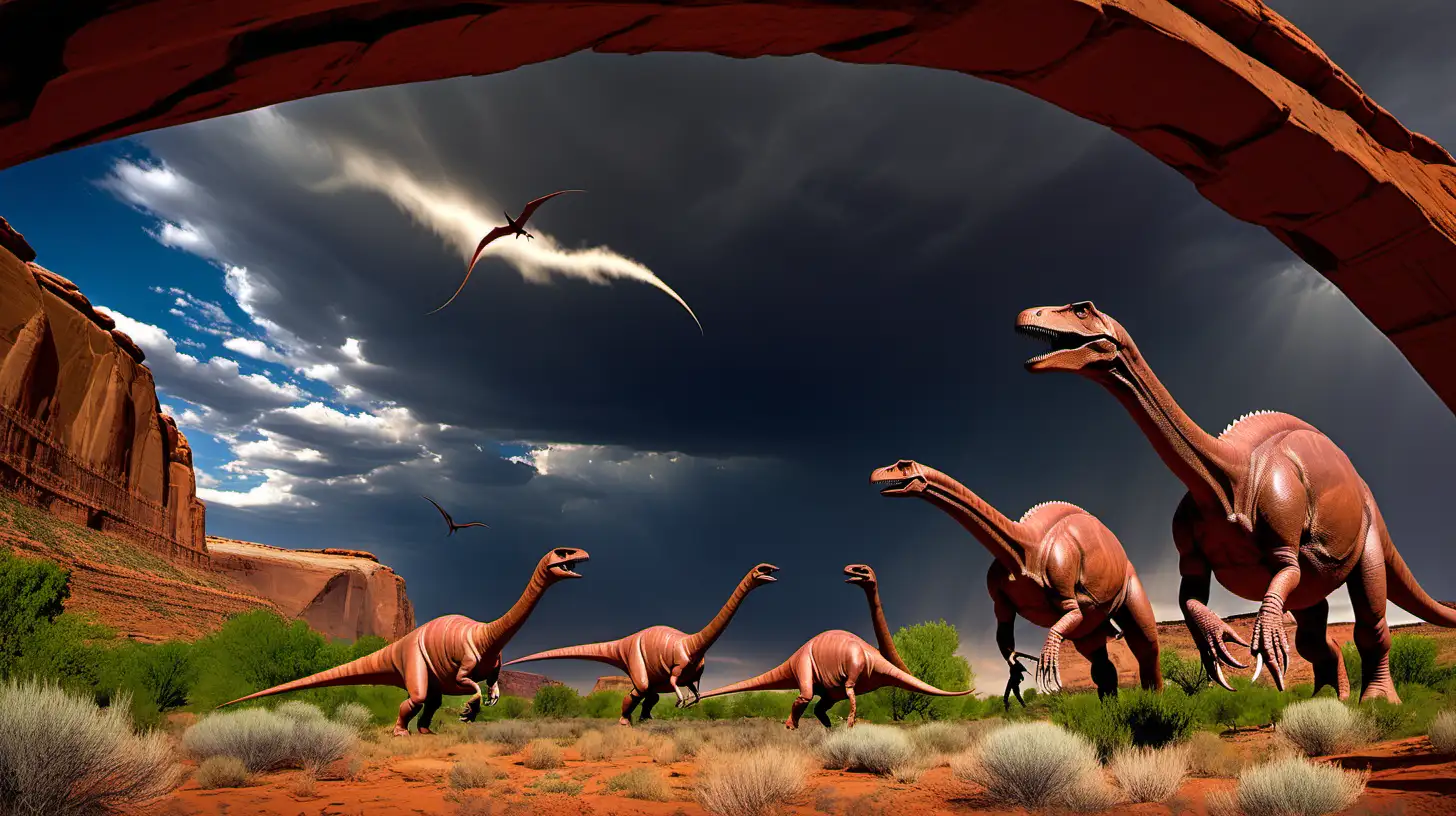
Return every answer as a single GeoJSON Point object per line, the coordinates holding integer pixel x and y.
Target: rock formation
{"type": "Point", "coordinates": [340, 593]}
{"type": "Point", "coordinates": [1227, 92]}
{"type": "Point", "coordinates": [525, 684]}
{"type": "Point", "coordinates": [81, 432]}
{"type": "Point", "coordinates": [613, 682]}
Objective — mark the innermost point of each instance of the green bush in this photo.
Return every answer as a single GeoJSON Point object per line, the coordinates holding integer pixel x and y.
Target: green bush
{"type": "Point", "coordinates": [929, 651]}
{"type": "Point", "coordinates": [1155, 719]}
{"type": "Point", "coordinates": [1353, 668]}
{"type": "Point", "coordinates": [33, 593]}
{"type": "Point", "coordinates": [1185, 673]}
{"type": "Point", "coordinates": [1093, 718]}
{"type": "Point", "coordinates": [602, 705]}
{"type": "Point", "coordinates": [1413, 660]}
{"type": "Point", "coordinates": [556, 701]}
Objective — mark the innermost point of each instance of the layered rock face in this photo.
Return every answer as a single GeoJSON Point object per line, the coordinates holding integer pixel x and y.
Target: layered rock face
{"type": "Point", "coordinates": [81, 432]}
{"type": "Point", "coordinates": [523, 684]}
{"type": "Point", "coordinates": [613, 683]}
{"type": "Point", "coordinates": [340, 593]}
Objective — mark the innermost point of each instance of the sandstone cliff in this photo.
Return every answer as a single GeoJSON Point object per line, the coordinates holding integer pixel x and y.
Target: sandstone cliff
{"type": "Point", "coordinates": [81, 433]}
{"type": "Point", "coordinates": [613, 683]}
{"type": "Point", "coordinates": [340, 593]}
{"type": "Point", "coordinates": [523, 684]}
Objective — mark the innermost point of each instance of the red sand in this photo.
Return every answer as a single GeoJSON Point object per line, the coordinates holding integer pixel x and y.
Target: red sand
{"type": "Point", "coordinates": [1406, 779]}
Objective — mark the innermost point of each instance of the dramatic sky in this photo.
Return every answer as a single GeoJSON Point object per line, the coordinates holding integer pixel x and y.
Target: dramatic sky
{"type": "Point", "coordinates": [856, 241]}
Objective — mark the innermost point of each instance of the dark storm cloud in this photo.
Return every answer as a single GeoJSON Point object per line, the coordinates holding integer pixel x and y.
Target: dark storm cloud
{"type": "Point", "coordinates": [856, 241]}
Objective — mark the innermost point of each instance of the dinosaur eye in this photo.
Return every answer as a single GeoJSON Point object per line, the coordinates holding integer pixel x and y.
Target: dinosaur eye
{"type": "Point", "coordinates": [1080, 312]}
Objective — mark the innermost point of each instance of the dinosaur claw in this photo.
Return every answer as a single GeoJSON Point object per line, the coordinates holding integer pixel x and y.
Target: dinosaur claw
{"type": "Point", "coordinates": [1258, 667]}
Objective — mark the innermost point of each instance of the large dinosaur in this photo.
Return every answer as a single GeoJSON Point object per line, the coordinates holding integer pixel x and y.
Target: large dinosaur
{"type": "Point", "coordinates": [864, 576]}
{"type": "Point", "coordinates": [1058, 567]}
{"type": "Point", "coordinates": [834, 666]}
{"type": "Point", "coordinates": [1274, 510]}
{"type": "Point", "coordinates": [661, 659]}
{"type": "Point", "coordinates": [448, 655]}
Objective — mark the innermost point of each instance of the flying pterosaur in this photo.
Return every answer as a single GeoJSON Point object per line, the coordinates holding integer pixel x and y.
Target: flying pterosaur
{"type": "Point", "coordinates": [451, 522]}
{"type": "Point", "coordinates": [513, 226]}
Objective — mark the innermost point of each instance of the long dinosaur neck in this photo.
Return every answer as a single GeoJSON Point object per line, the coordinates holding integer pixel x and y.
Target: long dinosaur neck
{"type": "Point", "coordinates": [699, 642]}
{"type": "Point", "coordinates": [498, 632]}
{"type": "Point", "coordinates": [1207, 465]}
{"type": "Point", "coordinates": [882, 627]}
{"type": "Point", "coordinates": [1007, 540]}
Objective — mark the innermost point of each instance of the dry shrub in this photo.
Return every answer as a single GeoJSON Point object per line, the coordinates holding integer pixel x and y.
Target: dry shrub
{"type": "Point", "coordinates": [640, 783]}
{"type": "Point", "coordinates": [221, 772]}
{"type": "Point", "coordinates": [1150, 774]}
{"type": "Point", "coordinates": [467, 774]}
{"type": "Point", "coordinates": [604, 746]}
{"type": "Point", "coordinates": [941, 738]}
{"type": "Point", "coordinates": [60, 755]}
{"type": "Point", "coordinates": [689, 741]}
{"type": "Point", "coordinates": [513, 735]}
{"type": "Point", "coordinates": [1036, 765]}
{"type": "Point", "coordinates": [355, 715]}
{"type": "Point", "coordinates": [267, 740]}
{"type": "Point", "coordinates": [1210, 756]}
{"type": "Point", "coordinates": [663, 750]}
{"type": "Point", "coordinates": [299, 710]}
{"type": "Point", "coordinates": [542, 754]}
{"type": "Point", "coordinates": [474, 806]}
{"type": "Point", "coordinates": [551, 783]}
{"type": "Point", "coordinates": [1442, 733]}
{"type": "Point", "coordinates": [873, 748]}
{"type": "Point", "coordinates": [1322, 727]}
{"type": "Point", "coordinates": [1298, 786]}
{"type": "Point", "coordinates": [304, 786]}
{"type": "Point", "coordinates": [1222, 803]}
{"type": "Point", "coordinates": [754, 782]}
{"type": "Point", "coordinates": [910, 771]}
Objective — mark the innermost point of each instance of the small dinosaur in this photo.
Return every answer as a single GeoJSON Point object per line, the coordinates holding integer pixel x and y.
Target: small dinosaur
{"type": "Point", "coordinates": [661, 659]}
{"type": "Point", "coordinates": [448, 655]}
{"type": "Point", "coordinates": [450, 522]}
{"type": "Point", "coordinates": [513, 226]}
{"type": "Point", "coordinates": [864, 576]}
{"type": "Point", "coordinates": [1013, 683]}
{"type": "Point", "coordinates": [833, 665]}
{"type": "Point", "coordinates": [1274, 510]}
{"type": "Point", "coordinates": [1058, 567]}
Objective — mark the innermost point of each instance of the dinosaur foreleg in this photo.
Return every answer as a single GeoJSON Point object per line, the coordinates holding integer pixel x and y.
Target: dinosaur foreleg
{"type": "Point", "coordinates": [1312, 641]}
{"type": "Point", "coordinates": [1209, 631]}
{"type": "Point", "coordinates": [797, 710]}
{"type": "Point", "coordinates": [693, 687]}
{"type": "Point", "coordinates": [1049, 667]}
{"type": "Point", "coordinates": [628, 704]}
{"type": "Point", "coordinates": [1283, 513]}
{"type": "Point", "coordinates": [682, 697]}
{"type": "Point", "coordinates": [855, 669]}
{"type": "Point", "coordinates": [427, 711]}
{"type": "Point", "coordinates": [417, 686]}
{"type": "Point", "coordinates": [1372, 632]}
{"type": "Point", "coordinates": [1140, 633]}
{"type": "Point", "coordinates": [462, 676]}
{"type": "Point", "coordinates": [821, 711]}
{"type": "Point", "coordinates": [648, 701]}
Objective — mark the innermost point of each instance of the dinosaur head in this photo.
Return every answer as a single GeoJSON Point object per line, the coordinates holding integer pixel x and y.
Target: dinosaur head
{"type": "Point", "coordinates": [860, 574]}
{"type": "Point", "coordinates": [904, 478]}
{"type": "Point", "coordinates": [761, 574]}
{"type": "Point", "coordinates": [558, 563]}
{"type": "Point", "coordinates": [1082, 339]}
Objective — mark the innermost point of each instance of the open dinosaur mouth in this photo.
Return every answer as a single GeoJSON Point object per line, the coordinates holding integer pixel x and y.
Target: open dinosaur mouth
{"type": "Point", "coordinates": [567, 569]}
{"type": "Point", "coordinates": [891, 485]}
{"type": "Point", "coordinates": [1057, 341]}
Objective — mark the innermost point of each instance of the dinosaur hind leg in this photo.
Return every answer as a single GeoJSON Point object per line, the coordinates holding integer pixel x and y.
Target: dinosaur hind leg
{"type": "Point", "coordinates": [1140, 633]}
{"type": "Point", "coordinates": [629, 703]}
{"type": "Point", "coordinates": [1372, 632]}
{"type": "Point", "coordinates": [1104, 672]}
{"type": "Point", "coordinates": [433, 698]}
{"type": "Point", "coordinates": [648, 701]}
{"type": "Point", "coordinates": [1312, 641]}
{"type": "Point", "coordinates": [821, 710]}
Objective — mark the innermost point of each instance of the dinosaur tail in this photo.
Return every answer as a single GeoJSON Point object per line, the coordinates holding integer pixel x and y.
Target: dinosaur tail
{"type": "Point", "coordinates": [370, 670]}
{"type": "Point", "coordinates": [607, 652]}
{"type": "Point", "coordinates": [1403, 591]}
{"type": "Point", "coordinates": [779, 678]}
{"type": "Point", "coordinates": [910, 682]}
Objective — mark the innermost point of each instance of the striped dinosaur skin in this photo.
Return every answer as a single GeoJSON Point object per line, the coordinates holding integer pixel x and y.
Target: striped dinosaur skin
{"type": "Point", "coordinates": [1274, 510]}
{"type": "Point", "coordinates": [1058, 567]}
{"type": "Point", "coordinates": [448, 655]}
{"type": "Point", "coordinates": [834, 665]}
{"type": "Point", "coordinates": [661, 659]}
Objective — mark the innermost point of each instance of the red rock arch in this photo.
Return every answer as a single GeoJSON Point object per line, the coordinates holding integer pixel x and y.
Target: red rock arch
{"type": "Point", "coordinates": [1225, 91]}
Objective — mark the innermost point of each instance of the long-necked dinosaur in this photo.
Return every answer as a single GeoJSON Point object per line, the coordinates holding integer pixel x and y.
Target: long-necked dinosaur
{"type": "Point", "coordinates": [448, 655]}
{"type": "Point", "coordinates": [833, 666]}
{"type": "Point", "coordinates": [1274, 510]}
{"type": "Point", "coordinates": [864, 576]}
{"type": "Point", "coordinates": [661, 659]}
{"type": "Point", "coordinates": [1058, 567]}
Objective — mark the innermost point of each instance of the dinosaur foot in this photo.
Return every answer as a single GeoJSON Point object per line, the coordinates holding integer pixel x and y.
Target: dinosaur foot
{"type": "Point", "coordinates": [401, 732]}
{"type": "Point", "coordinates": [789, 724]}
{"type": "Point", "coordinates": [424, 729]}
{"type": "Point", "coordinates": [1380, 690]}
{"type": "Point", "coordinates": [624, 721]}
